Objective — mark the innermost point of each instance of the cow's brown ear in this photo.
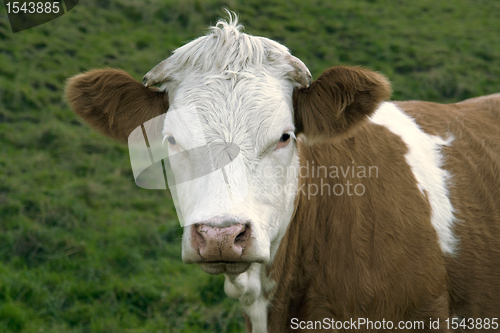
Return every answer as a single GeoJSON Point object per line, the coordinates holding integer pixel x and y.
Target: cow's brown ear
{"type": "Point", "coordinates": [111, 101]}
{"type": "Point", "coordinates": [338, 102]}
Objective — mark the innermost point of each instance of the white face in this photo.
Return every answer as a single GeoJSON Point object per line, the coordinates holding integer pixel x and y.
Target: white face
{"type": "Point", "coordinates": [232, 150]}
{"type": "Point", "coordinates": [255, 191]}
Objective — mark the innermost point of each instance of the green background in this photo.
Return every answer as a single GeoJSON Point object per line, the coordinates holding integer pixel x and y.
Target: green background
{"type": "Point", "coordinates": [82, 249]}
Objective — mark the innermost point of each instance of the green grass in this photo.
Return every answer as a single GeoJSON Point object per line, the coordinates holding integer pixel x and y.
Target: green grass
{"type": "Point", "coordinates": [82, 249]}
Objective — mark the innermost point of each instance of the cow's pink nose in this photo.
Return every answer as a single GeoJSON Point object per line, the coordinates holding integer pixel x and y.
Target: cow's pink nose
{"type": "Point", "coordinates": [216, 244]}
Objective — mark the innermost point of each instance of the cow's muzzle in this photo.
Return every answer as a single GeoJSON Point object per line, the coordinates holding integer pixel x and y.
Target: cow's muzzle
{"type": "Point", "coordinates": [215, 244]}
{"type": "Point", "coordinates": [222, 249]}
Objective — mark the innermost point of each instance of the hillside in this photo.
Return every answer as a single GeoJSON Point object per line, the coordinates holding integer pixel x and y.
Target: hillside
{"type": "Point", "coordinates": [82, 249]}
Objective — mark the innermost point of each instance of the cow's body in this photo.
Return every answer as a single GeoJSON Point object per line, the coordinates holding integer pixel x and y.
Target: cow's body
{"type": "Point", "coordinates": [396, 218]}
{"type": "Point", "coordinates": [365, 256]}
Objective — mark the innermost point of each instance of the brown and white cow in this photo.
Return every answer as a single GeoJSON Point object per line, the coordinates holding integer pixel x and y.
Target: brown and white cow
{"type": "Point", "coordinates": [392, 209]}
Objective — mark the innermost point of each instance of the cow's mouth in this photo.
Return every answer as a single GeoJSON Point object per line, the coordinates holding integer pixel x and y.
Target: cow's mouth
{"type": "Point", "coordinates": [220, 267]}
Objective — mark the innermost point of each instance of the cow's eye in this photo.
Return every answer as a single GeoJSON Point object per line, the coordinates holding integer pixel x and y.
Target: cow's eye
{"type": "Point", "coordinates": [171, 140]}
{"type": "Point", "coordinates": [284, 140]}
{"type": "Point", "coordinates": [285, 137]}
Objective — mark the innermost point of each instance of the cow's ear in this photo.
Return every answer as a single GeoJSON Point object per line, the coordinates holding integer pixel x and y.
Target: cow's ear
{"type": "Point", "coordinates": [338, 102]}
{"type": "Point", "coordinates": [111, 101]}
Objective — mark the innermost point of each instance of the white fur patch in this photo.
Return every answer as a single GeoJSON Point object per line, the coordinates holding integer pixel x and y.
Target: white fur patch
{"type": "Point", "coordinates": [425, 159]}
{"type": "Point", "coordinates": [250, 288]}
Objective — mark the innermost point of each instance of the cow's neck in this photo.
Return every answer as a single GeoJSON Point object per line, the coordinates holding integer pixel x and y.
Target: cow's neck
{"type": "Point", "coordinates": [254, 288]}
{"type": "Point", "coordinates": [328, 252]}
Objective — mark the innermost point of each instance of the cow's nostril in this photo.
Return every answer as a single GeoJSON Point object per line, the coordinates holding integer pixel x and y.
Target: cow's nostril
{"type": "Point", "coordinates": [244, 235]}
{"type": "Point", "coordinates": [197, 236]}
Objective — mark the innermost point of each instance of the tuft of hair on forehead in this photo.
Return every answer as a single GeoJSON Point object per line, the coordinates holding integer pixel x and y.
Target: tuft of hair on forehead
{"type": "Point", "coordinates": [227, 27]}
{"type": "Point", "coordinates": [226, 52]}
{"type": "Point", "coordinates": [225, 48]}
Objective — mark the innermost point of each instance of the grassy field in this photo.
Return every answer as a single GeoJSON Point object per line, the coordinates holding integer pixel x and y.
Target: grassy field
{"type": "Point", "coordinates": [82, 249]}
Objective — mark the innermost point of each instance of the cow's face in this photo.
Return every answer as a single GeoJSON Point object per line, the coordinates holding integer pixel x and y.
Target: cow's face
{"type": "Point", "coordinates": [232, 214]}
{"type": "Point", "coordinates": [233, 105]}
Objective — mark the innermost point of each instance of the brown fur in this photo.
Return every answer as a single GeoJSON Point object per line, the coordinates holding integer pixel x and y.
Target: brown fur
{"type": "Point", "coordinates": [474, 163]}
{"type": "Point", "coordinates": [111, 101]}
{"type": "Point", "coordinates": [372, 256]}
{"type": "Point", "coordinates": [377, 256]}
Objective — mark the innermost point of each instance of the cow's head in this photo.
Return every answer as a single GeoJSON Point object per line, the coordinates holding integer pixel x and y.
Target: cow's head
{"type": "Point", "coordinates": [248, 92]}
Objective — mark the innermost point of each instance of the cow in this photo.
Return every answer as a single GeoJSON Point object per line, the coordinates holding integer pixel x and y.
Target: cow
{"type": "Point", "coordinates": [360, 213]}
